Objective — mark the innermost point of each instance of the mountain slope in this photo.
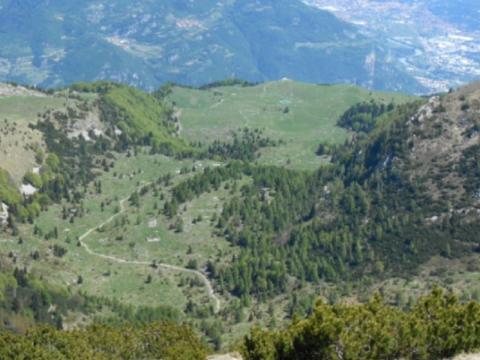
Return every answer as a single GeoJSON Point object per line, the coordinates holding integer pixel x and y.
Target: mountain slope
{"type": "Point", "coordinates": [437, 147]}
{"type": "Point", "coordinates": [51, 140]}
{"type": "Point", "coordinates": [56, 43]}
{"type": "Point", "coordinates": [113, 217]}
{"type": "Point", "coordinates": [389, 202]}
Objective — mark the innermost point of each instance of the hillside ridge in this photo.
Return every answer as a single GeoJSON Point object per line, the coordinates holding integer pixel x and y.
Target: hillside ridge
{"type": "Point", "coordinates": [271, 196]}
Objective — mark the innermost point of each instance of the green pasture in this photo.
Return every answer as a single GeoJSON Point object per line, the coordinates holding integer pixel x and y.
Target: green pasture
{"type": "Point", "coordinates": [301, 115]}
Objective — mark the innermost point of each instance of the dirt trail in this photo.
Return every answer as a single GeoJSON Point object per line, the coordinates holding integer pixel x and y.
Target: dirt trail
{"type": "Point", "coordinates": [468, 357]}
{"type": "Point", "coordinates": [217, 104]}
{"type": "Point", "coordinates": [234, 356]}
{"type": "Point", "coordinates": [81, 239]}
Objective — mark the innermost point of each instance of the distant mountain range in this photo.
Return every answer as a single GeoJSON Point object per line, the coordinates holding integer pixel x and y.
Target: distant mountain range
{"type": "Point", "coordinates": [144, 43]}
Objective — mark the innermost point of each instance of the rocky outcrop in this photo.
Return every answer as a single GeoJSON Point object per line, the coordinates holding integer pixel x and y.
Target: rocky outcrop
{"type": "Point", "coordinates": [27, 190]}
{"type": "Point", "coordinates": [3, 214]}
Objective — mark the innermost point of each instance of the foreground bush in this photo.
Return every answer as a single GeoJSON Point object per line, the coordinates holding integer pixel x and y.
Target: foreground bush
{"type": "Point", "coordinates": [439, 326]}
{"type": "Point", "coordinates": [154, 341]}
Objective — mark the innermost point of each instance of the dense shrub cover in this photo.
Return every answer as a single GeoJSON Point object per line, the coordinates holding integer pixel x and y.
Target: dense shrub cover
{"type": "Point", "coordinates": [8, 193]}
{"type": "Point", "coordinates": [437, 327]}
{"type": "Point", "coordinates": [363, 117]}
{"type": "Point", "coordinates": [154, 341]}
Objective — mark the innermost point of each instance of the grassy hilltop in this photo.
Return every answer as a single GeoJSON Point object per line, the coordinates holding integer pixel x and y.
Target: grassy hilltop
{"type": "Point", "coordinates": [300, 115]}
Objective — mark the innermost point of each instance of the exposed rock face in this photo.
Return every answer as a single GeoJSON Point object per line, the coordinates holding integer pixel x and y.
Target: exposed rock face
{"type": "Point", "coordinates": [3, 214]}
{"type": "Point", "coordinates": [17, 90]}
{"type": "Point", "coordinates": [443, 138]}
{"type": "Point", "coordinates": [27, 190]}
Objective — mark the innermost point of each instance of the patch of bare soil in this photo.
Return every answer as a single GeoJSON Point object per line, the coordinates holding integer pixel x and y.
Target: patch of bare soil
{"type": "Point", "coordinates": [12, 90]}
{"type": "Point", "coordinates": [468, 357]}
{"type": "Point", "coordinates": [232, 356]}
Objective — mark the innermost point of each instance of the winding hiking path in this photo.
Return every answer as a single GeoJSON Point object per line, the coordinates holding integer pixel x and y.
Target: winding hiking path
{"type": "Point", "coordinates": [217, 104]}
{"type": "Point", "coordinates": [81, 239]}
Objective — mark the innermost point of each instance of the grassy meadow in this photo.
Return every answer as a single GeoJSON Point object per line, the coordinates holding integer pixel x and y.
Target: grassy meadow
{"type": "Point", "coordinates": [301, 115]}
{"type": "Point", "coordinates": [139, 234]}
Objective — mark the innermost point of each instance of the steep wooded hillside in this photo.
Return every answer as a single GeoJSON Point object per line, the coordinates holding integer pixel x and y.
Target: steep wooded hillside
{"type": "Point", "coordinates": [389, 201]}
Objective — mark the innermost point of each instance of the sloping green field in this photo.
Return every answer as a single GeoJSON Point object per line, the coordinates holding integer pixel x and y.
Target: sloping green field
{"type": "Point", "coordinates": [17, 139]}
{"type": "Point", "coordinates": [302, 115]}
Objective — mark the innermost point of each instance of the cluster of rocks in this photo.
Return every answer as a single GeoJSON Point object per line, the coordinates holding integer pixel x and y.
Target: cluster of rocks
{"type": "Point", "coordinates": [3, 214]}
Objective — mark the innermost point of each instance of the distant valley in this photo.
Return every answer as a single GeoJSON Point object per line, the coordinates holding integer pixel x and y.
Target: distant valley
{"type": "Point", "coordinates": [147, 44]}
{"type": "Point", "coordinates": [437, 42]}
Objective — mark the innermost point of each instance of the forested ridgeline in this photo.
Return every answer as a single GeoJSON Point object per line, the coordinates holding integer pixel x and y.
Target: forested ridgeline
{"type": "Point", "coordinates": [437, 327]}
{"type": "Point", "coordinates": [135, 117]}
{"type": "Point", "coordinates": [360, 217]}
